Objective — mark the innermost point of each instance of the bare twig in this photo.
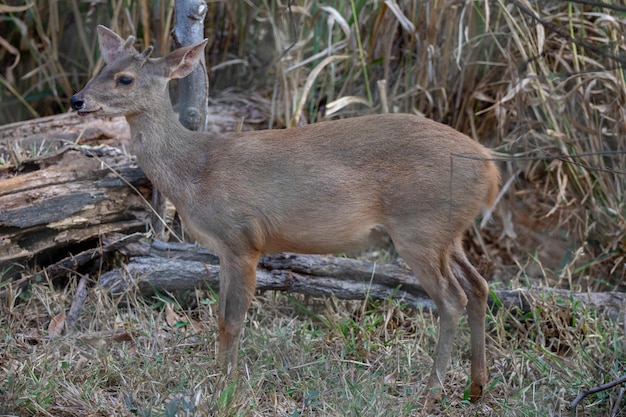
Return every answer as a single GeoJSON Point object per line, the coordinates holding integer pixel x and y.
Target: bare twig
{"type": "Point", "coordinates": [620, 397]}
{"type": "Point", "coordinates": [601, 4]}
{"type": "Point", "coordinates": [293, 30]}
{"type": "Point", "coordinates": [72, 262]}
{"type": "Point", "coordinates": [565, 158]}
{"type": "Point", "coordinates": [77, 303]}
{"type": "Point", "coordinates": [582, 394]}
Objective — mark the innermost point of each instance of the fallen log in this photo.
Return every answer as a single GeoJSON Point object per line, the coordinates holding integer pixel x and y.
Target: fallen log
{"type": "Point", "coordinates": [180, 267]}
{"type": "Point", "coordinates": [62, 199]}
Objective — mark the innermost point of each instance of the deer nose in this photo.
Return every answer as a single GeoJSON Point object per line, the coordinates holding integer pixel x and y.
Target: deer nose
{"type": "Point", "coordinates": [77, 103]}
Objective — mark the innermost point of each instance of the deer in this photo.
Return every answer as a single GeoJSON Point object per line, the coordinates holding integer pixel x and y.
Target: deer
{"type": "Point", "coordinates": [323, 188]}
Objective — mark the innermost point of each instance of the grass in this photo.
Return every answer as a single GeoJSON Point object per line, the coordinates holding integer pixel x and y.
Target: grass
{"type": "Point", "coordinates": [542, 83]}
{"type": "Point", "coordinates": [300, 356]}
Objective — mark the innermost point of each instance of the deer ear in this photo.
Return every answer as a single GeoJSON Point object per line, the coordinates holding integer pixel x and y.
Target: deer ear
{"type": "Point", "coordinates": [112, 45]}
{"type": "Point", "coordinates": [183, 61]}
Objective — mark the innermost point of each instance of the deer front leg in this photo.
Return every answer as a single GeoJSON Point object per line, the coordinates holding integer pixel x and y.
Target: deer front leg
{"type": "Point", "coordinates": [237, 285]}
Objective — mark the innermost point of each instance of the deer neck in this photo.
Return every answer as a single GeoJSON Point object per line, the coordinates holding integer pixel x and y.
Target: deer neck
{"type": "Point", "coordinates": [162, 146]}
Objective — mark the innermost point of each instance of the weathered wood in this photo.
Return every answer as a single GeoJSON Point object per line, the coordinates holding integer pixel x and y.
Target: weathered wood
{"type": "Point", "coordinates": [54, 132]}
{"type": "Point", "coordinates": [74, 195]}
{"type": "Point", "coordinates": [110, 243]}
{"type": "Point", "coordinates": [180, 267]}
{"type": "Point", "coordinates": [71, 263]}
{"type": "Point", "coordinates": [150, 273]}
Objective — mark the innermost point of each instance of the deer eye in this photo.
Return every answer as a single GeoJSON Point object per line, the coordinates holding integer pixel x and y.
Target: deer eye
{"type": "Point", "coordinates": [125, 80]}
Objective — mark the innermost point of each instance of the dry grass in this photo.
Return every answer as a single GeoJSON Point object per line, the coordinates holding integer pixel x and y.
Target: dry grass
{"type": "Point", "coordinates": [300, 356]}
{"type": "Point", "coordinates": [550, 99]}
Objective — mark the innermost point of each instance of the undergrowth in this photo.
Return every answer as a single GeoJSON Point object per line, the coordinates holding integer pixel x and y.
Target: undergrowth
{"type": "Point", "coordinates": [300, 356]}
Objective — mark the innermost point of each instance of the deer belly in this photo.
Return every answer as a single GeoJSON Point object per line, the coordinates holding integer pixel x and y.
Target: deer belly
{"type": "Point", "coordinates": [324, 238]}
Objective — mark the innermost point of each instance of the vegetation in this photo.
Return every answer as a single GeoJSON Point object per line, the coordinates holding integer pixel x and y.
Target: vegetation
{"type": "Point", "coordinates": [542, 83]}
{"type": "Point", "coordinates": [299, 357]}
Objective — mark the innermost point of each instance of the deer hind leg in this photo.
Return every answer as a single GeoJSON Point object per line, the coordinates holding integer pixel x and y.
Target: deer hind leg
{"type": "Point", "coordinates": [477, 290]}
{"type": "Point", "coordinates": [237, 285]}
{"type": "Point", "coordinates": [432, 268]}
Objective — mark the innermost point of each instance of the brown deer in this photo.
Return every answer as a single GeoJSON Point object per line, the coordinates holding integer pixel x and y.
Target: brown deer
{"type": "Point", "coordinates": [323, 188]}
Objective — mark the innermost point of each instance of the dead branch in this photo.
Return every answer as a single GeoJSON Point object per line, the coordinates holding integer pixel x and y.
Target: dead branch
{"type": "Point", "coordinates": [71, 263]}
{"type": "Point", "coordinates": [178, 267]}
{"type": "Point", "coordinates": [584, 393]}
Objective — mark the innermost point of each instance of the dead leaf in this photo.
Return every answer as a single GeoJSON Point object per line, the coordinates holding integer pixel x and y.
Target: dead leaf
{"type": "Point", "coordinates": [55, 328]}
{"type": "Point", "coordinates": [197, 326]}
{"type": "Point", "coordinates": [390, 378]}
{"type": "Point", "coordinates": [125, 336]}
{"type": "Point", "coordinates": [171, 317]}
{"type": "Point", "coordinates": [14, 9]}
{"type": "Point", "coordinates": [101, 339]}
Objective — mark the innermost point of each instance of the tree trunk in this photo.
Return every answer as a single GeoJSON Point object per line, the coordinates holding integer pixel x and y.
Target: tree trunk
{"type": "Point", "coordinates": [193, 89]}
